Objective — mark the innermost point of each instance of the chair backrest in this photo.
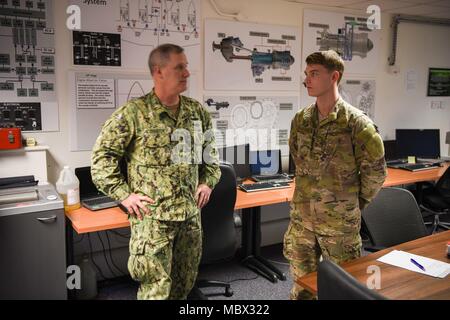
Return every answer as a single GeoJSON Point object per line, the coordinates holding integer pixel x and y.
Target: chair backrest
{"type": "Point", "coordinates": [219, 232]}
{"type": "Point", "coordinates": [334, 283]}
{"type": "Point", "coordinates": [393, 217]}
{"type": "Point", "coordinates": [443, 184]}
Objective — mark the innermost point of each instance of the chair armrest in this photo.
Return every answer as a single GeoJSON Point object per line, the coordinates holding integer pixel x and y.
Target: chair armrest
{"type": "Point", "coordinates": [429, 210]}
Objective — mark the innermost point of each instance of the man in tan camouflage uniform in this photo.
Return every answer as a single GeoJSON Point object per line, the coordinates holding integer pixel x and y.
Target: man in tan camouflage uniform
{"type": "Point", "coordinates": [340, 167]}
{"type": "Point", "coordinates": [167, 181]}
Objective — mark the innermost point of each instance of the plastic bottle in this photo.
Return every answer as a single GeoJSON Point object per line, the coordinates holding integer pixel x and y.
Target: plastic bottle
{"type": "Point", "coordinates": [88, 289]}
{"type": "Point", "coordinates": [68, 186]}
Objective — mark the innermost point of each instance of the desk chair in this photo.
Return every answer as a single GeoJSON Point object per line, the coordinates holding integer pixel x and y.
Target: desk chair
{"type": "Point", "coordinates": [334, 283]}
{"type": "Point", "coordinates": [436, 201]}
{"type": "Point", "coordinates": [219, 233]}
{"type": "Point", "coordinates": [393, 217]}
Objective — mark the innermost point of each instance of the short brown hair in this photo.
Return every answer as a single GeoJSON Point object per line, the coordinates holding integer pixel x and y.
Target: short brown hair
{"type": "Point", "coordinates": [160, 55]}
{"type": "Point", "coordinates": [330, 59]}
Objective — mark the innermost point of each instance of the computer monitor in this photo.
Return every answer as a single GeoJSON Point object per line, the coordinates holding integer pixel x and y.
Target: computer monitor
{"type": "Point", "coordinates": [265, 162]}
{"type": "Point", "coordinates": [417, 142]}
{"type": "Point", "coordinates": [390, 152]}
{"type": "Point", "coordinates": [238, 156]}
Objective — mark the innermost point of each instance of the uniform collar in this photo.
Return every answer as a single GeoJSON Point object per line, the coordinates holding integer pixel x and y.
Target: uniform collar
{"type": "Point", "coordinates": [159, 108]}
{"type": "Point", "coordinates": [332, 116]}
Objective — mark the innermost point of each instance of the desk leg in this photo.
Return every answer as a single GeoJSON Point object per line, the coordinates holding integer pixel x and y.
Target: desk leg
{"type": "Point", "coordinates": [69, 253]}
{"type": "Point", "coordinates": [419, 191]}
{"type": "Point", "coordinates": [257, 244]}
{"type": "Point", "coordinates": [251, 246]}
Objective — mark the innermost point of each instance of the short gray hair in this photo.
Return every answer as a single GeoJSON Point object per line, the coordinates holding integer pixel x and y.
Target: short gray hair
{"type": "Point", "coordinates": [160, 55]}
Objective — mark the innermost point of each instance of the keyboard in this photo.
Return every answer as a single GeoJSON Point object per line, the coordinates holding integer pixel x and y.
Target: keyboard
{"type": "Point", "coordinates": [259, 186]}
{"type": "Point", "coordinates": [279, 177]}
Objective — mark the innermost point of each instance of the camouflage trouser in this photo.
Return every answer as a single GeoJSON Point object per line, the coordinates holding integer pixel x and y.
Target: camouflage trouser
{"type": "Point", "coordinates": [310, 236]}
{"type": "Point", "coordinates": [164, 257]}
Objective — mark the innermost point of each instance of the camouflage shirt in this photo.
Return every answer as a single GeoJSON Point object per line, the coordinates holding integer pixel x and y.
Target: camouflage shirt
{"type": "Point", "coordinates": [146, 134]}
{"type": "Point", "coordinates": [341, 155]}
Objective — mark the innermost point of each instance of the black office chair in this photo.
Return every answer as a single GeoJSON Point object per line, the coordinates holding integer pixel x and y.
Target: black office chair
{"type": "Point", "coordinates": [393, 217]}
{"type": "Point", "coordinates": [334, 283]}
{"type": "Point", "coordinates": [436, 202]}
{"type": "Point", "coordinates": [219, 233]}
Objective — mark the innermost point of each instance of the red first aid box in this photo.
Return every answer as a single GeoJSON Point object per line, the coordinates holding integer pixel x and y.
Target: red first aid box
{"type": "Point", "coordinates": [10, 138]}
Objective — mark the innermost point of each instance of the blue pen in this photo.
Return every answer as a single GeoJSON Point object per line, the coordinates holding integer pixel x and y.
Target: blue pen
{"type": "Point", "coordinates": [418, 264]}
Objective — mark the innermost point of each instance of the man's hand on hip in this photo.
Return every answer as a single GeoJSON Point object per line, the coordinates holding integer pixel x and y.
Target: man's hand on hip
{"type": "Point", "coordinates": [202, 195]}
{"type": "Point", "coordinates": [134, 202]}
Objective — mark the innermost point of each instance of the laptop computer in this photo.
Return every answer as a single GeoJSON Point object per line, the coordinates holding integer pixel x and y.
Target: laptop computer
{"type": "Point", "coordinates": [90, 197]}
{"type": "Point", "coordinates": [418, 166]}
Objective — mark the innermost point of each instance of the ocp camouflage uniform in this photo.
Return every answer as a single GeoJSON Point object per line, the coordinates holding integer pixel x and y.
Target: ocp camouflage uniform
{"type": "Point", "coordinates": [340, 167]}
{"type": "Point", "coordinates": [165, 247]}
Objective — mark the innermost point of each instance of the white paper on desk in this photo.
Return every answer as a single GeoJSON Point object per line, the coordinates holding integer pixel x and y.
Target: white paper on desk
{"type": "Point", "coordinates": [402, 259]}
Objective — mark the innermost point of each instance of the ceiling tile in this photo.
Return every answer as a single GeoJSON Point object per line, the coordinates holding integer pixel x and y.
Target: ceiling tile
{"type": "Point", "coordinates": [383, 4]}
{"type": "Point", "coordinates": [417, 10]}
{"type": "Point", "coordinates": [331, 3]}
{"type": "Point", "coordinates": [443, 3]}
{"type": "Point", "coordinates": [442, 14]}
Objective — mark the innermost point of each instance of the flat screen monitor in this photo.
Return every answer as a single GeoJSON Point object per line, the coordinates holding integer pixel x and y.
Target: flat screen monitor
{"type": "Point", "coordinates": [390, 152]}
{"type": "Point", "coordinates": [438, 82]}
{"type": "Point", "coordinates": [265, 162]}
{"type": "Point", "coordinates": [238, 156]}
{"type": "Point", "coordinates": [422, 143]}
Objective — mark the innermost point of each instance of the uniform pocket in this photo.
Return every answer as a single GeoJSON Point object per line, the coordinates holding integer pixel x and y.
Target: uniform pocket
{"type": "Point", "coordinates": [138, 265]}
{"type": "Point", "coordinates": [148, 261]}
{"type": "Point", "coordinates": [157, 146]}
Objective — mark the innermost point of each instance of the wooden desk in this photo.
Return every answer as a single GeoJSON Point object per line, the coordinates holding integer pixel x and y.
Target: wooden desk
{"type": "Point", "coordinates": [84, 220]}
{"type": "Point", "coordinates": [397, 177]}
{"type": "Point", "coordinates": [398, 283]}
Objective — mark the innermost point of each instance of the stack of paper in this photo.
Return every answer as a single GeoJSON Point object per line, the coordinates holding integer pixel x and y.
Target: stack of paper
{"type": "Point", "coordinates": [402, 259]}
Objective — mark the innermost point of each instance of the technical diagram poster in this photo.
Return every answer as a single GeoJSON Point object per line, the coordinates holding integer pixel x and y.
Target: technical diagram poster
{"type": "Point", "coordinates": [262, 121]}
{"type": "Point", "coordinates": [345, 33]}
{"type": "Point", "coordinates": [27, 59]}
{"type": "Point", "coordinates": [360, 94]}
{"type": "Point", "coordinates": [248, 56]}
{"type": "Point", "coordinates": [142, 25]}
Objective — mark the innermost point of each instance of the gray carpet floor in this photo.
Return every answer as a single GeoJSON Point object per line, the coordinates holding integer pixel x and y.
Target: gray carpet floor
{"type": "Point", "coordinates": [245, 284]}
